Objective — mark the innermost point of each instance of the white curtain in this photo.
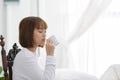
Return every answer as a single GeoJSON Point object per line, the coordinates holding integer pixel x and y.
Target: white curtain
{"type": "Point", "coordinates": [89, 16]}
{"type": "Point", "coordinates": [68, 23]}
{"type": "Point", "coordinates": [81, 53]}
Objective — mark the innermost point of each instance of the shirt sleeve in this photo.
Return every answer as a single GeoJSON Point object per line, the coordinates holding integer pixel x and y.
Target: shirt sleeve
{"type": "Point", "coordinates": [49, 72]}
{"type": "Point", "coordinates": [34, 71]}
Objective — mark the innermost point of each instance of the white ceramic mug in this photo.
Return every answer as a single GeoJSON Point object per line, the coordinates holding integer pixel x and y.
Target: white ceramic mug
{"type": "Point", "coordinates": [54, 39]}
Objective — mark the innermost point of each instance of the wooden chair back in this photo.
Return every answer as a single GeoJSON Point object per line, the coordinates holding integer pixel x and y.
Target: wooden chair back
{"type": "Point", "coordinates": [8, 60]}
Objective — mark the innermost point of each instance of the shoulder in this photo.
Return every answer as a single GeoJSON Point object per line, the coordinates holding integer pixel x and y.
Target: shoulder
{"type": "Point", "coordinates": [24, 53]}
{"type": "Point", "coordinates": [25, 56]}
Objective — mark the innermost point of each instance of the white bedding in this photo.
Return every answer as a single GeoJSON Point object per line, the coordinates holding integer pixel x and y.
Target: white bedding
{"type": "Point", "coordinates": [112, 73]}
{"type": "Point", "coordinates": [64, 74]}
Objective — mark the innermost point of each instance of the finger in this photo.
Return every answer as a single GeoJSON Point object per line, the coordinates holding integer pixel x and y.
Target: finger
{"type": "Point", "coordinates": [48, 41]}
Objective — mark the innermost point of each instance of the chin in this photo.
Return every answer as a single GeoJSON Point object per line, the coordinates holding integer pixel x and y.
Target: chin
{"type": "Point", "coordinates": [41, 46]}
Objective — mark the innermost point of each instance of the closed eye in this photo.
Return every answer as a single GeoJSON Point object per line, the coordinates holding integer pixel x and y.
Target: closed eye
{"type": "Point", "coordinates": [40, 31]}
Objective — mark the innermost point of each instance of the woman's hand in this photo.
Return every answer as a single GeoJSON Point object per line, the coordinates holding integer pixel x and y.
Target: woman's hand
{"type": "Point", "coordinates": [50, 47]}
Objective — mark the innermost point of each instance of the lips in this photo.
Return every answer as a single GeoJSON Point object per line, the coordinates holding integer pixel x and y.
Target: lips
{"type": "Point", "coordinates": [43, 40]}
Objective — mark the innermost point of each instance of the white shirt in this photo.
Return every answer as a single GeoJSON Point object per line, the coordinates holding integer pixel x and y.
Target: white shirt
{"type": "Point", "coordinates": [27, 67]}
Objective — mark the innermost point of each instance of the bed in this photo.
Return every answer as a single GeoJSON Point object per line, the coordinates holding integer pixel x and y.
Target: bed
{"type": "Point", "coordinates": [67, 74]}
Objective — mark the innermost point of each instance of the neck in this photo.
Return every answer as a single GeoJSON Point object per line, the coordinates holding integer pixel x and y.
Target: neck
{"type": "Point", "coordinates": [33, 49]}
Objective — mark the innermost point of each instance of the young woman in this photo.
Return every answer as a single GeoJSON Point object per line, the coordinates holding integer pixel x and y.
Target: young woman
{"type": "Point", "coordinates": [32, 33]}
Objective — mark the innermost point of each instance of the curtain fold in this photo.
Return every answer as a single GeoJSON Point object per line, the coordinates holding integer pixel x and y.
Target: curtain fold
{"type": "Point", "coordinates": [90, 15]}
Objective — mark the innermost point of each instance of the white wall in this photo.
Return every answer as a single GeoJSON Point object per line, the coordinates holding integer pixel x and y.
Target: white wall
{"type": "Point", "coordinates": [2, 18]}
{"type": "Point", "coordinates": [2, 21]}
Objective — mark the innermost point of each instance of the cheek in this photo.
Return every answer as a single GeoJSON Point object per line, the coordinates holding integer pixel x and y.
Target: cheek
{"type": "Point", "coordinates": [37, 37]}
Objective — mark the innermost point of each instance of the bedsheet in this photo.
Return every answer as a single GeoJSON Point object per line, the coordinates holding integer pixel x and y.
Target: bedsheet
{"type": "Point", "coordinates": [66, 74]}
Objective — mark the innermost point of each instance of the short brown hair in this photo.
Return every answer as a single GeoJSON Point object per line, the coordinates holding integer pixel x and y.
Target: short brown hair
{"type": "Point", "coordinates": [26, 28]}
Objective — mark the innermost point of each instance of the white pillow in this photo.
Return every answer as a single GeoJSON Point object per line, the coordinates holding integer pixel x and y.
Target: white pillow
{"type": "Point", "coordinates": [112, 73]}
{"type": "Point", "coordinates": [65, 74]}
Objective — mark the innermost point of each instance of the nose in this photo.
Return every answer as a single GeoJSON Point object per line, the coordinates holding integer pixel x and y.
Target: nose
{"type": "Point", "coordinates": [44, 34]}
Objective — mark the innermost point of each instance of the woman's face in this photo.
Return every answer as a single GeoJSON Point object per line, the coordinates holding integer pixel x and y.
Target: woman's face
{"type": "Point", "coordinates": [39, 36]}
